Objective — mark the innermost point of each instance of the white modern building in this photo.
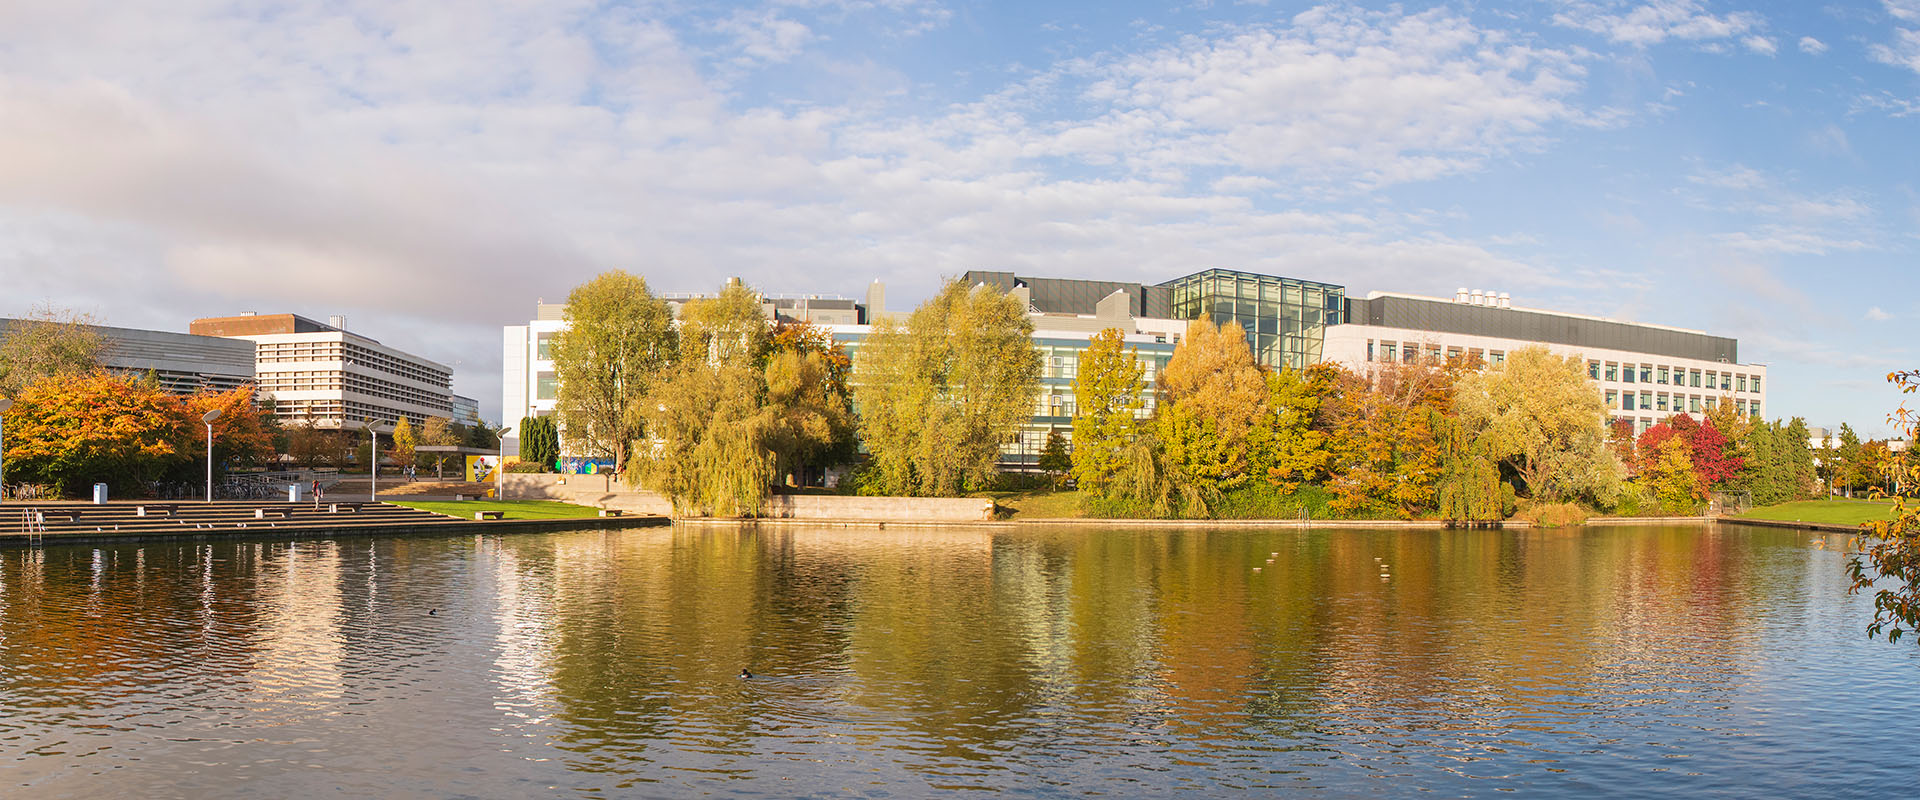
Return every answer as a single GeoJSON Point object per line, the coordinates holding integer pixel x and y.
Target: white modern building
{"type": "Point", "coordinates": [324, 376]}
{"type": "Point", "coordinates": [1645, 373]}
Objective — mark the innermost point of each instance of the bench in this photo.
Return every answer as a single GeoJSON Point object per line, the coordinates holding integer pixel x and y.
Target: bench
{"type": "Point", "coordinates": [344, 508]}
{"type": "Point", "coordinates": [489, 515]}
{"type": "Point", "coordinates": [263, 513]}
{"type": "Point", "coordinates": [610, 512]}
{"type": "Point", "coordinates": [61, 514]}
{"type": "Point", "coordinates": [158, 510]}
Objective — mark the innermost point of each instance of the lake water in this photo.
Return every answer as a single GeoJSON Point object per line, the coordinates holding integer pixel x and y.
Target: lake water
{"type": "Point", "coordinates": [1077, 662]}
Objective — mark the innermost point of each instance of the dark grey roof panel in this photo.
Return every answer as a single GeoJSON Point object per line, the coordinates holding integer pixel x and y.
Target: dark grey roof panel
{"type": "Point", "coordinates": [1442, 316]}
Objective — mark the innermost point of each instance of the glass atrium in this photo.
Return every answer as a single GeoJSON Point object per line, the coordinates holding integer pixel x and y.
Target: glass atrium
{"type": "Point", "coordinates": [1285, 319]}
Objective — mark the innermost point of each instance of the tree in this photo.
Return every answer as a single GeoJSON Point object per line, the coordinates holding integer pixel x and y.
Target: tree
{"type": "Point", "coordinates": [707, 448]}
{"type": "Point", "coordinates": [401, 451]}
{"type": "Point", "coordinates": [1539, 414]}
{"type": "Point", "coordinates": [940, 396]}
{"type": "Point", "coordinates": [438, 432]}
{"type": "Point", "coordinates": [1468, 488]}
{"type": "Point", "coordinates": [539, 441]}
{"type": "Point", "coordinates": [1107, 392]}
{"type": "Point", "coordinates": [809, 420]}
{"type": "Point", "coordinates": [242, 435]}
{"type": "Point", "coordinates": [1846, 461]}
{"type": "Point", "coordinates": [1382, 437]}
{"type": "Point", "coordinates": [1887, 562]}
{"type": "Point", "coordinates": [47, 343]}
{"type": "Point", "coordinates": [1284, 447]}
{"type": "Point", "coordinates": [1669, 473]}
{"type": "Point", "coordinates": [619, 338]}
{"type": "Point", "coordinates": [1055, 460]}
{"type": "Point", "coordinates": [730, 328]}
{"type": "Point", "coordinates": [73, 430]}
{"type": "Point", "coordinates": [1710, 453]}
{"type": "Point", "coordinates": [1211, 394]}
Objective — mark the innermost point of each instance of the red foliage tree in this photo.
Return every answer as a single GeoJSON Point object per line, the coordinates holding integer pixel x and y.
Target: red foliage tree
{"type": "Point", "coordinates": [1712, 452]}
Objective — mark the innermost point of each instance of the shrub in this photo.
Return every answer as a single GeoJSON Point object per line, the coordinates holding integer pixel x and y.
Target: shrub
{"type": "Point", "coordinates": [1261, 500]}
{"type": "Point", "coordinates": [525, 467]}
{"type": "Point", "coordinates": [1554, 515]}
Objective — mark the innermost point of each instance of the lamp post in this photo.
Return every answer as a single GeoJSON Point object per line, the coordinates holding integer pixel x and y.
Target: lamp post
{"type": "Point", "coordinates": [208, 418]}
{"type": "Point", "coordinates": [5, 404]}
{"type": "Point", "coordinates": [373, 456]}
{"type": "Point", "coordinates": [500, 467]}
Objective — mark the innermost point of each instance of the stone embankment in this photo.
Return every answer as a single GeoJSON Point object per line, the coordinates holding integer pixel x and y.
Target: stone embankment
{"type": "Point", "coordinates": [26, 523]}
{"type": "Point", "coordinates": [601, 491]}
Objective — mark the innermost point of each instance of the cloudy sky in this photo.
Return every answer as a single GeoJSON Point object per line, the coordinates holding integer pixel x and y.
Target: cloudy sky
{"type": "Point", "coordinates": [431, 168]}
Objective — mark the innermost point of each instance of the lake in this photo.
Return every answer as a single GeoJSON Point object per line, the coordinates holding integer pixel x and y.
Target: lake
{"type": "Point", "coordinates": [1720, 661]}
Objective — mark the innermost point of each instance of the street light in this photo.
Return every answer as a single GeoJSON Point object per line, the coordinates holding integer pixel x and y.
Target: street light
{"type": "Point", "coordinates": [500, 468]}
{"type": "Point", "coordinates": [373, 455]}
{"type": "Point", "coordinates": [208, 418]}
{"type": "Point", "coordinates": [5, 404]}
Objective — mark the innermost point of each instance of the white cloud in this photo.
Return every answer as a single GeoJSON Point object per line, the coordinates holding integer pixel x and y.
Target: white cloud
{"type": "Point", "coordinates": [1875, 314]}
{"type": "Point", "coordinates": [765, 36]}
{"type": "Point", "coordinates": [1760, 44]}
{"type": "Point", "coordinates": [1656, 22]}
{"type": "Point", "coordinates": [1908, 10]}
{"type": "Point", "coordinates": [1812, 46]}
{"type": "Point", "coordinates": [1903, 51]}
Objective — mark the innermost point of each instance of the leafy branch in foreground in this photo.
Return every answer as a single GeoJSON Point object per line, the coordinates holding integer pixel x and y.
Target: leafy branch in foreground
{"type": "Point", "coordinates": [1890, 549]}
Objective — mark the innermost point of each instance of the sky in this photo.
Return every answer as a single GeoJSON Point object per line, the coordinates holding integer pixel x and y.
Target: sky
{"type": "Point", "coordinates": [431, 169]}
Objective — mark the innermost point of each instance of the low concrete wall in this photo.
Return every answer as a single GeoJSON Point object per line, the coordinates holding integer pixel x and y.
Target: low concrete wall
{"type": "Point", "coordinates": [602, 491]}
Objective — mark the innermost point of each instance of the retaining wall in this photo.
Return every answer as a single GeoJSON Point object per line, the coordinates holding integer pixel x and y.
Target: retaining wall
{"type": "Point", "coordinates": [602, 491]}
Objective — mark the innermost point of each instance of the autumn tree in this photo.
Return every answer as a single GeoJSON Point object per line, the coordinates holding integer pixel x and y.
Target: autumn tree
{"type": "Point", "coordinates": [1669, 473]}
{"type": "Point", "coordinates": [1212, 393]}
{"type": "Point", "coordinates": [1468, 488]}
{"type": "Point", "coordinates": [941, 395]}
{"type": "Point", "coordinates": [438, 432]}
{"type": "Point", "coordinates": [400, 452]}
{"type": "Point", "coordinates": [1107, 392]}
{"type": "Point", "coordinates": [1710, 453]}
{"type": "Point", "coordinates": [619, 337]}
{"type": "Point", "coordinates": [809, 422]}
{"type": "Point", "coordinates": [1383, 439]}
{"type": "Point", "coordinates": [706, 422]}
{"type": "Point", "coordinates": [1846, 460]}
{"type": "Point", "coordinates": [1284, 447]}
{"type": "Point", "coordinates": [242, 435]}
{"type": "Point", "coordinates": [1055, 461]}
{"type": "Point", "coordinates": [1540, 416]}
{"type": "Point", "coordinates": [47, 343]}
{"type": "Point", "coordinates": [1886, 561]}
{"type": "Point", "coordinates": [729, 328]}
{"type": "Point", "coordinates": [73, 430]}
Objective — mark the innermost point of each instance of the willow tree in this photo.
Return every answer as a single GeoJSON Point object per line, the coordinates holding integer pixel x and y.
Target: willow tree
{"type": "Point", "coordinates": [707, 433]}
{"type": "Point", "coordinates": [1539, 414]}
{"type": "Point", "coordinates": [619, 338]}
{"type": "Point", "coordinates": [809, 417]}
{"type": "Point", "coordinates": [939, 396]}
{"type": "Point", "coordinates": [1107, 393]}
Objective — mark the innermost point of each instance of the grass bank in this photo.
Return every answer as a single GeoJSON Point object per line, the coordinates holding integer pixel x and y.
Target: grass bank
{"type": "Point", "coordinates": [1829, 512]}
{"type": "Point", "coordinates": [513, 509]}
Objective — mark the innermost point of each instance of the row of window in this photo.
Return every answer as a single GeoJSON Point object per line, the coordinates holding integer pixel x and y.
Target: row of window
{"type": "Point", "coordinates": [1661, 401]}
{"type": "Point", "coordinates": [1675, 376]}
{"type": "Point", "coordinates": [1386, 352]}
{"type": "Point", "coordinates": [335, 382]}
{"type": "Point", "coordinates": [298, 352]}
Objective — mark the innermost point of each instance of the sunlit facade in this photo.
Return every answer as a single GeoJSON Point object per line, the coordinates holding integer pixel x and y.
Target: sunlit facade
{"type": "Point", "coordinates": [1285, 318]}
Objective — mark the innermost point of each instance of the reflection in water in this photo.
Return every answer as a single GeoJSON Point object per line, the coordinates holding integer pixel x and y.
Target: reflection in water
{"type": "Point", "coordinates": [1599, 661]}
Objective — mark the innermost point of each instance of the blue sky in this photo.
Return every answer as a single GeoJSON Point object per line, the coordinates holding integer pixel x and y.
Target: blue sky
{"type": "Point", "coordinates": [429, 169]}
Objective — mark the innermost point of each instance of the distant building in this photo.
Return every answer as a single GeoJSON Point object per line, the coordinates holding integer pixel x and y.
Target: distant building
{"type": "Point", "coordinates": [182, 363]}
{"type": "Point", "coordinates": [324, 376]}
{"type": "Point", "coordinates": [1644, 373]}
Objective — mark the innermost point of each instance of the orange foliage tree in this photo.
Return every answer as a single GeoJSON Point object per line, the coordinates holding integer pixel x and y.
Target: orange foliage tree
{"type": "Point", "coordinates": [70, 431]}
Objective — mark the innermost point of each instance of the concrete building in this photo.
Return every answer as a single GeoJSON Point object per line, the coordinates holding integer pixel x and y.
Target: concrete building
{"type": "Point", "coordinates": [1644, 373]}
{"type": "Point", "coordinates": [324, 376]}
{"type": "Point", "coordinates": [183, 363]}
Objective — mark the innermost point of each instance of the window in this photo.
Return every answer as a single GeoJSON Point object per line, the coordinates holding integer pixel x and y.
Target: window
{"type": "Point", "coordinates": [1693, 404]}
{"type": "Point", "coordinates": [543, 347]}
{"type": "Point", "coordinates": [1369, 350]}
{"type": "Point", "coordinates": [1389, 352]}
{"type": "Point", "coordinates": [1663, 376]}
{"type": "Point", "coordinates": [1496, 358]}
{"type": "Point", "coordinates": [1453, 353]}
{"type": "Point", "coordinates": [1754, 408]}
{"type": "Point", "coordinates": [546, 387]}
{"type": "Point", "coordinates": [1613, 371]}
{"type": "Point", "coordinates": [1660, 401]}
{"type": "Point", "coordinates": [1627, 401]}
{"type": "Point", "coordinates": [1593, 370]}
{"type": "Point", "coordinates": [1433, 352]}
{"type": "Point", "coordinates": [1743, 382]}
{"type": "Point", "coordinates": [1410, 352]}
{"type": "Point", "coordinates": [1627, 374]}
{"type": "Point", "coordinates": [1475, 354]}
{"type": "Point", "coordinates": [1710, 403]}
{"type": "Point", "coordinates": [1756, 385]}
{"type": "Point", "coordinates": [1613, 399]}
{"type": "Point", "coordinates": [1646, 401]}
{"type": "Point", "coordinates": [1713, 380]}
{"type": "Point", "coordinates": [1740, 407]}
{"type": "Point", "coordinates": [1646, 374]}
{"type": "Point", "coordinates": [1696, 379]}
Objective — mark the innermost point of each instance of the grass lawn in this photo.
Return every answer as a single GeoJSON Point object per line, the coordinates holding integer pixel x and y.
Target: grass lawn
{"type": "Point", "coordinates": [515, 509]}
{"type": "Point", "coordinates": [1832, 512]}
{"type": "Point", "coordinates": [1040, 504]}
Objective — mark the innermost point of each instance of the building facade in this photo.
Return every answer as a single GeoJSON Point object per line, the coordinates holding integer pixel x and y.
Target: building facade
{"type": "Point", "coordinates": [182, 363]}
{"type": "Point", "coordinates": [324, 376]}
{"type": "Point", "coordinates": [1644, 373]}
{"type": "Point", "coordinates": [1286, 319]}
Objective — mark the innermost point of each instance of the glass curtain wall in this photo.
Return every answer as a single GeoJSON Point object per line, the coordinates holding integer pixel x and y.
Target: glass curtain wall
{"type": "Point", "coordinates": [1285, 318]}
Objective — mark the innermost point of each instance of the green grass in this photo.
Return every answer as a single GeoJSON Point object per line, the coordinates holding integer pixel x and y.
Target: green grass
{"type": "Point", "coordinates": [1039, 504]}
{"type": "Point", "coordinates": [1831, 512]}
{"type": "Point", "coordinates": [515, 509]}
